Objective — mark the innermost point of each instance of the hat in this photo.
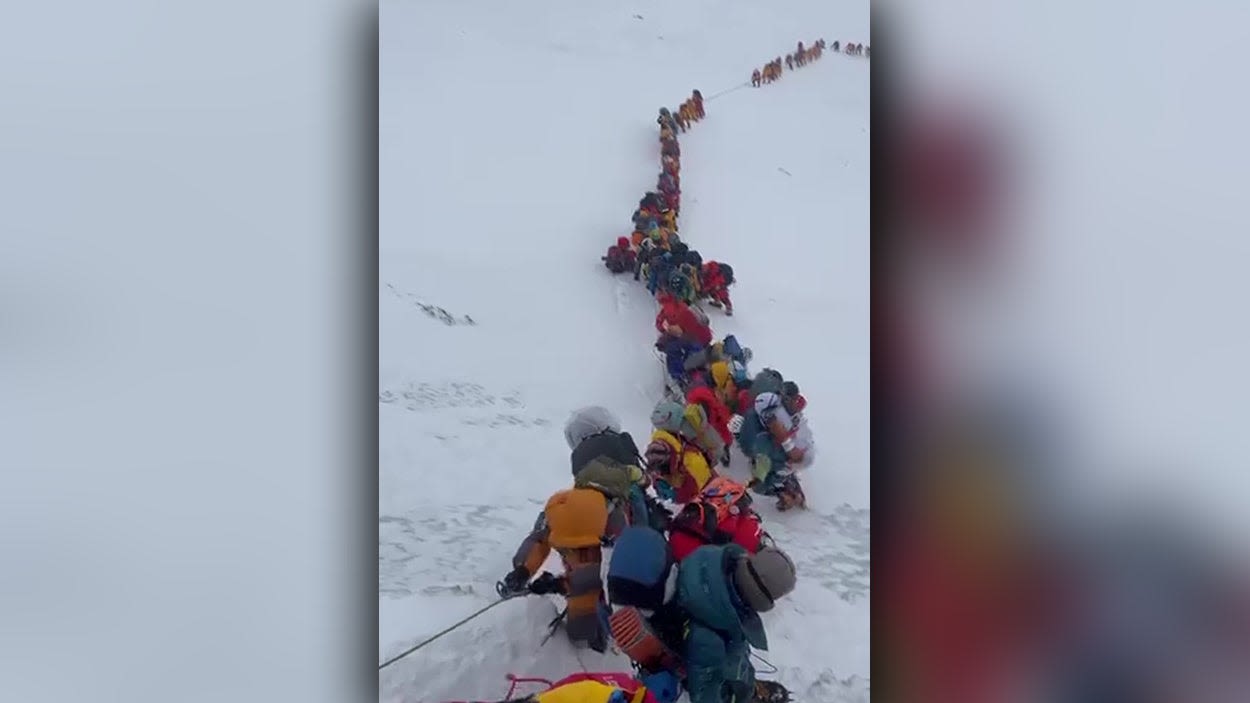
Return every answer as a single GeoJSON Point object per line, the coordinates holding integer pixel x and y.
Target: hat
{"type": "Point", "coordinates": [764, 577]}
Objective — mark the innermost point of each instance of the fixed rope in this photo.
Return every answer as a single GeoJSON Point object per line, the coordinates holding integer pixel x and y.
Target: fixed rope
{"type": "Point", "coordinates": [726, 91]}
{"type": "Point", "coordinates": [419, 645]}
{"type": "Point", "coordinates": [765, 662]}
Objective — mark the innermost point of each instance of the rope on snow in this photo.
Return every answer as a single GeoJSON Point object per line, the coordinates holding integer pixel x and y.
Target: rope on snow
{"type": "Point", "coordinates": [419, 645]}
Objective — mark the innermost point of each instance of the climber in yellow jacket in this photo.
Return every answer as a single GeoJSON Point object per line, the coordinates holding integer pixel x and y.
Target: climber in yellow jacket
{"type": "Point", "coordinates": [678, 463]}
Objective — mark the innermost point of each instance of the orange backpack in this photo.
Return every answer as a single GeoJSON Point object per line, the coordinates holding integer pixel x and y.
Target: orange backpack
{"type": "Point", "coordinates": [576, 518]}
{"type": "Point", "coordinates": [720, 498]}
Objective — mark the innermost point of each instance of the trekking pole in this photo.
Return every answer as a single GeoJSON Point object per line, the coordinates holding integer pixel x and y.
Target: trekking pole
{"type": "Point", "coordinates": [414, 648]}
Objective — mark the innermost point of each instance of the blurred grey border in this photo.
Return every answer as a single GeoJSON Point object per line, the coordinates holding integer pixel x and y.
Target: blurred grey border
{"type": "Point", "coordinates": [188, 351]}
{"type": "Point", "coordinates": [367, 35]}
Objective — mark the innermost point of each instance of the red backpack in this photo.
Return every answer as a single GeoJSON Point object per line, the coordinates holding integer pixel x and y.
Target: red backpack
{"type": "Point", "coordinates": [722, 514]}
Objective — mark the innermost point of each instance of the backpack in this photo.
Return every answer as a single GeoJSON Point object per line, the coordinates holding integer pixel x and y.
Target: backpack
{"type": "Point", "coordinates": [731, 348]}
{"type": "Point", "coordinates": [697, 360]}
{"type": "Point", "coordinates": [612, 479]}
{"type": "Point", "coordinates": [576, 518]}
{"type": "Point", "coordinates": [619, 447]}
{"type": "Point", "coordinates": [720, 499]}
{"type": "Point", "coordinates": [702, 434]}
{"type": "Point", "coordinates": [593, 687]}
{"type": "Point", "coordinates": [728, 272]}
{"type": "Point", "coordinates": [685, 421]}
{"type": "Point", "coordinates": [641, 571]}
{"type": "Point", "coordinates": [649, 690]}
{"type": "Point", "coordinates": [767, 381]}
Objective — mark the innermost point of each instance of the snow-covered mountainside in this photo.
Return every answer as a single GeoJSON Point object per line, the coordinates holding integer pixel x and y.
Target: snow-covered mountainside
{"type": "Point", "coordinates": [516, 140]}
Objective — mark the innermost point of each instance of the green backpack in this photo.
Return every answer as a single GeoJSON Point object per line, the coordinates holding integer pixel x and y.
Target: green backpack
{"type": "Point", "coordinates": [607, 477]}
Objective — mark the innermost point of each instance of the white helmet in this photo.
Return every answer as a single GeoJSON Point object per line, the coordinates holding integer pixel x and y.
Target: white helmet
{"type": "Point", "coordinates": [589, 421]}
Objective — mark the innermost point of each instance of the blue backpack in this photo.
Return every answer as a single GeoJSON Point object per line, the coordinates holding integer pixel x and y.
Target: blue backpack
{"type": "Point", "coordinates": [734, 350]}
{"type": "Point", "coordinates": [639, 569]}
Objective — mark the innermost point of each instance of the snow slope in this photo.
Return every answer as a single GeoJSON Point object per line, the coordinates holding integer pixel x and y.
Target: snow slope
{"type": "Point", "coordinates": [515, 142]}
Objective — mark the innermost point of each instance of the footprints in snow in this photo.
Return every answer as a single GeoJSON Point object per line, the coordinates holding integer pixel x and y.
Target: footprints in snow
{"type": "Point", "coordinates": [828, 687]}
{"type": "Point", "coordinates": [433, 310]}
{"type": "Point", "coordinates": [427, 546]}
{"type": "Point", "coordinates": [838, 565]}
{"type": "Point", "coordinates": [425, 397]}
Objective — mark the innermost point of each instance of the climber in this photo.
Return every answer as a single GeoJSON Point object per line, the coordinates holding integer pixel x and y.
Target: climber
{"type": "Point", "coordinates": [676, 462]}
{"type": "Point", "coordinates": [714, 281]}
{"type": "Point", "coordinates": [719, 515]}
{"type": "Point", "coordinates": [620, 257]}
{"type": "Point", "coordinates": [702, 629]}
{"type": "Point", "coordinates": [678, 319]}
{"type": "Point", "coordinates": [666, 122]}
{"type": "Point", "coordinates": [681, 284]}
{"type": "Point", "coordinates": [767, 437]}
{"type": "Point", "coordinates": [696, 99]}
{"type": "Point", "coordinates": [728, 372]}
{"type": "Point", "coordinates": [718, 415]}
{"type": "Point", "coordinates": [594, 432]}
{"type": "Point", "coordinates": [755, 78]}
{"type": "Point", "coordinates": [687, 112]}
{"type": "Point", "coordinates": [576, 523]}
{"type": "Point", "coordinates": [659, 268]}
{"type": "Point", "coordinates": [677, 352]}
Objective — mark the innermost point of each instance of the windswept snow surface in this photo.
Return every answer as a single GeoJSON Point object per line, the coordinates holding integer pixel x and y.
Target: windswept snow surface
{"type": "Point", "coordinates": [516, 139]}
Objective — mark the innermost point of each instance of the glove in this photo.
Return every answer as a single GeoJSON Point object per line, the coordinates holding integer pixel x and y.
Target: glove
{"type": "Point", "coordinates": [546, 583]}
{"type": "Point", "coordinates": [514, 582]}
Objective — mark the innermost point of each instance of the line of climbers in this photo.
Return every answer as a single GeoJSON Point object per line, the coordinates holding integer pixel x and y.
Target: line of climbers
{"type": "Point", "coordinates": [684, 589]}
{"type": "Point", "coordinates": [685, 584]}
{"type": "Point", "coordinates": [654, 251]}
{"type": "Point", "coordinates": [801, 57]}
{"type": "Point", "coordinates": [700, 374]}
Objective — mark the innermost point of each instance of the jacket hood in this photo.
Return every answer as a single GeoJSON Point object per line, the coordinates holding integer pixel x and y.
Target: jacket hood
{"type": "Point", "coordinates": [705, 590]}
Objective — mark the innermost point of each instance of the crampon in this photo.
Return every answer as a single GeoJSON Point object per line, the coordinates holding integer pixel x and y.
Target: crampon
{"type": "Point", "coordinates": [771, 692]}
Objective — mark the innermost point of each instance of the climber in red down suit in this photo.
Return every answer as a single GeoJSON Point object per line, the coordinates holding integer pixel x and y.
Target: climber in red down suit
{"type": "Point", "coordinates": [714, 282]}
{"type": "Point", "coordinates": [679, 320]}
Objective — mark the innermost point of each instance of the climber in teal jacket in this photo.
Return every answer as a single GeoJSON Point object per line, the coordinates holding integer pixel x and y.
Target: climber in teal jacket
{"type": "Point", "coordinates": [722, 590]}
